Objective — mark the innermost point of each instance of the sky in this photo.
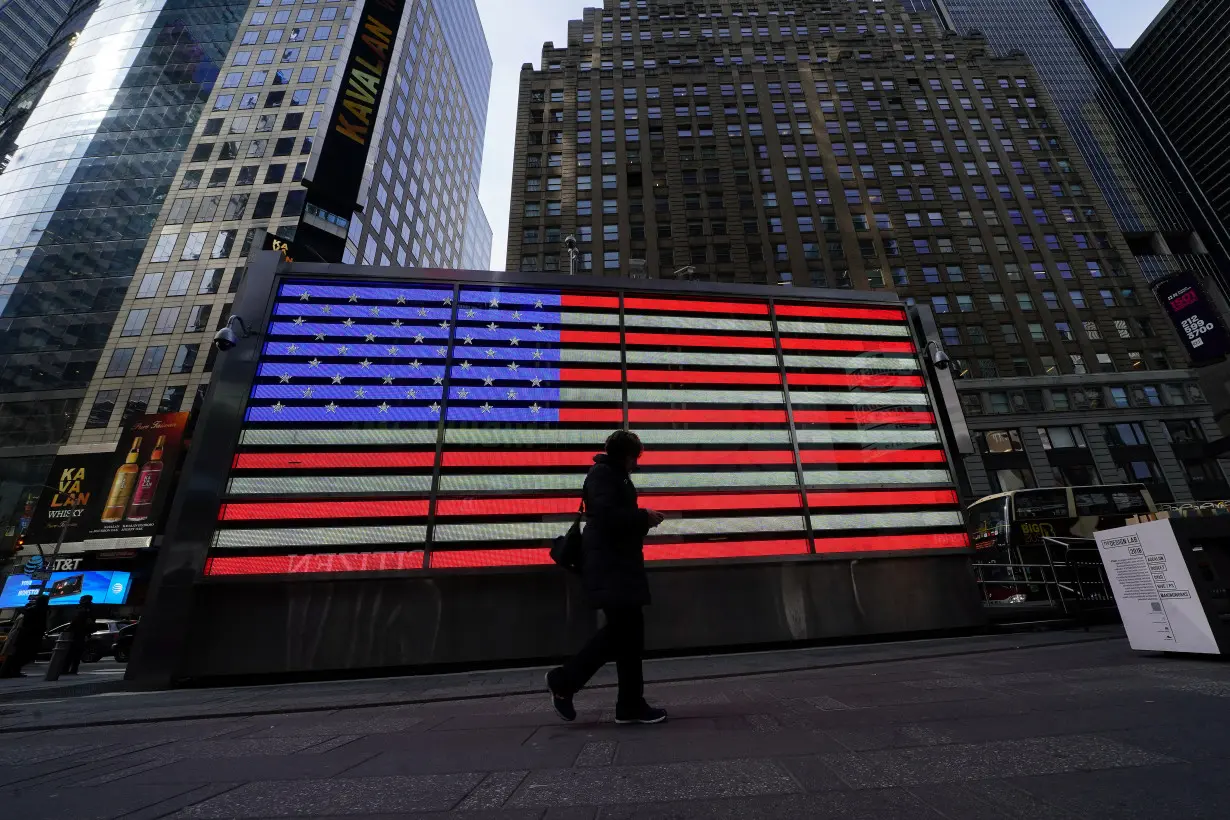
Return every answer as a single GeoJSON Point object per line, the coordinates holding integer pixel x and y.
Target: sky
{"type": "Point", "coordinates": [516, 30]}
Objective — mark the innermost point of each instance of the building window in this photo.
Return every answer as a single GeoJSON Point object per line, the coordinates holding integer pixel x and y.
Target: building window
{"type": "Point", "coordinates": [185, 358]}
{"type": "Point", "coordinates": [151, 362]}
{"type": "Point", "coordinates": [168, 317]}
{"type": "Point", "coordinates": [138, 402]}
{"type": "Point", "coordinates": [1062, 438]}
{"type": "Point", "coordinates": [100, 412]}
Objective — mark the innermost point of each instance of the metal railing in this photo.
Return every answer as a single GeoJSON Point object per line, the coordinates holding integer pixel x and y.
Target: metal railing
{"type": "Point", "coordinates": [1068, 579]}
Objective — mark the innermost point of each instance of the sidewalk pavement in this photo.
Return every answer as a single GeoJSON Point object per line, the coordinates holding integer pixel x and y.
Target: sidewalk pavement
{"type": "Point", "coordinates": [1062, 725]}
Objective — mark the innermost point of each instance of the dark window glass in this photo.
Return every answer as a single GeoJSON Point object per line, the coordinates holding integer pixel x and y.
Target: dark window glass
{"type": "Point", "coordinates": [100, 412]}
{"type": "Point", "coordinates": [138, 402]}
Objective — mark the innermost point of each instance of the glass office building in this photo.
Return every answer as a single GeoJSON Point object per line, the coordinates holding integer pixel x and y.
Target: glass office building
{"type": "Point", "coordinates": [26, 27]}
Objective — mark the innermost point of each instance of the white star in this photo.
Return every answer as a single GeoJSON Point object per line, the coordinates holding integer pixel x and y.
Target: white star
{"type": "Point", "coordinates": [422, 311]}
{"type": "Point", "coordinates": [468, 339]}
{"type": "Point", "coordinates": [435, 408]}
{"type": "Point", "coordinates": [360, 393]}
{"type": "Point", "coordinates": [534, 408]}
{"type": "Point", "coordinates": [486, 408]}
{"type": "Point", "coordinates": [536, 382]}
{"type": "Point", "coordinates": [437, 380]}
{"type": "Point", "coordinates": [278, 408]}
{"type": "Point", "coordinates": [326, 308]}
{"type": "Point", "coordinates": [374, 311]}
{"type": "Point", "coordinates": [320, 337]}
{"type": "Point", "coordinates": [419, 339]}
{"type": "Point", "coordinates": [299, 320]}
{"type": "Point", "coordinates": [303, 297]}
{"type": "Point", "coordinates": [466, 365]}
{"type": "Point", "coordinates": [391, 350]}
{"type": "Point", "coordinates": [330, 408]}
{"type": "Point", "coordinates": [412, 393]}
{"type": "Point", "coordinates": [448, 301]}
{"type": "Point", "coordinates": [383, 407]}
{"type": "Point", "coordinates": [493, 327]}
{"type": "Point", "coordinates": [365, 364]}
{"type": "Point", "coordinates": [388, 379]}
{"type": "Point", "coordinates": [538, 305]}
{"type": "Point", "coordinates": [314, 363]}
{"type": "Point", "coordinates": [514, 367]}
{"type": "Point", "coordinates": [354, 297]}
{"type": "Point", "coordinates": [488, 381]}
{"type": "Point", "coordinates": [416, 364]}
{"type": "Point", "coordinates": [538, 328]}
{"type": "Point", "coordinates": [401, 300]}
{"type": "Point", "coordinates": [337, 378]}
{"type": "Point", "coordinates": [397, 323]}
{"type": "Point", "coordinates": [470, 313]}
{"type": "Point", "coordinates": [285, 379]}
{"type": "Point", "coordinates": [342, 350]}
{"type": "Point", "coordinates": [514, 341]}
{"type": "Point", "coordinates": [371, 337]}
{"type": "Point", "coordinates": [349, 323]}
{"type": "Point", "coordinates": [307, 392]}
{"type": "Point", "coordinates": [516, 314]}
{"type": "Point", "coordinates": [537, 354]}
{"type": "Point", "coordinates": [495, 302]}
{"type": "Point", "coordinates": [463, 393]}
{"type": "Point", "coordinates": [293, 349]}
{"type": "Point", "coordinates": [512, 394]}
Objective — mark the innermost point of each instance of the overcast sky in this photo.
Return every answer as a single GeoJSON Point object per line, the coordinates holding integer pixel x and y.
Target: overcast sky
{"type": "Point", "coordinates": [516, 30]}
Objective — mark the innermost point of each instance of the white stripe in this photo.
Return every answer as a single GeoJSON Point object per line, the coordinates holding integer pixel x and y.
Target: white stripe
{"type": "Point", "coordinates": [571, 482]}
{"type": "Point", "coordinates": [862, 521]}
{"type": "Point", "coordinates": [661, 437]}
{"type": "Point", "coordinates": [727, 396]}
{"type": "Point", "coordinates": [842, 329]}
{"type": "Point", "coordinates": [698, 323]}
{"type": "Point", "coordinates": [496, 436]}
{"type": "Point", "coordinates": [854, 478]}
{"type": "Point", "coordinates": [809, 436]}
{"type": "Point", "coordinates": [651, 438]}
{"type": "Point", "coordinates": [598, 319]}
{"type": "Point", "coordinates": [533, 530]}
{"type": "Point", "coordinates": [594, 394]}
{"type": "Point", "coordinates": [324, 485]}
{"type": "Point", "coordinates": [567, 354]}
{"type": "Point", "coordinates": [324, 438]}
{"type": "Point", "coordinates": [854, 364]}
{"type": "Point", "coordinates": [866, 397]}
{"type": "Point", "coordinates": [705, 359]}
{"type": "Point", "coordinates": [308, 537]}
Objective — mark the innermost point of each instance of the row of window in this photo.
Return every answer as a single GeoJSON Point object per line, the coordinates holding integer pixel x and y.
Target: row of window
{"type": "Point", "coordinates": [138, 404]}
{"type": "Point", "coordinates": [1081, 398]}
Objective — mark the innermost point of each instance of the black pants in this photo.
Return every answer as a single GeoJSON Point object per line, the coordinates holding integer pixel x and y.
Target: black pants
{"type": "Point", "coordinates": [621, 640]}
{"type": "Point", "coordinates": [72, 661]}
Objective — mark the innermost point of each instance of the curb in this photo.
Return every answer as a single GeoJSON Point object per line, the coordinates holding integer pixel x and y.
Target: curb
{"type": "Point", "coordinates": [521, 691]}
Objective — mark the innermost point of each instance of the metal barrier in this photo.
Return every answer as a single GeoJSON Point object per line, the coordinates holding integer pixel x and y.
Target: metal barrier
{"type": "Point", "coordinates": [1069, 580]}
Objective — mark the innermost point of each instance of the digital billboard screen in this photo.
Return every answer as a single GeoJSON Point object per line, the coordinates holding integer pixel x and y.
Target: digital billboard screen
{"type": "Point", "coordinates": [408, 426]}
{"type": "Point", "coordinates": [107, 587]}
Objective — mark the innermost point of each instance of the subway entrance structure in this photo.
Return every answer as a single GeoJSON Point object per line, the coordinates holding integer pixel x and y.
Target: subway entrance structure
{"type": "Point", "coordinates": [380, 465]}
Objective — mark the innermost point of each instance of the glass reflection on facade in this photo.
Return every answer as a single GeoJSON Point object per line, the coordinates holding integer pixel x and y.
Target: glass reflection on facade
{"type": "Point", "coordinates": [26, 27]}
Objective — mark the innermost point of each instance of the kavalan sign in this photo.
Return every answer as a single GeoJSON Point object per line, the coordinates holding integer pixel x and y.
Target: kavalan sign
{"type": "Point", "coordinates": [339, 170]}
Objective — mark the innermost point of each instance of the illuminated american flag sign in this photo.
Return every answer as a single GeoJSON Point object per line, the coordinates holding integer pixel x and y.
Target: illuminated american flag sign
{"type": "Point", "coordinates": [413, 426]}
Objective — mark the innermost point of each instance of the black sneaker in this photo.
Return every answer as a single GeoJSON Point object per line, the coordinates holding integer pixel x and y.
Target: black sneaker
{"type": "Point", "coordinates": [562, 703]}
{"type": "Point", "coordinates": [643, 714]}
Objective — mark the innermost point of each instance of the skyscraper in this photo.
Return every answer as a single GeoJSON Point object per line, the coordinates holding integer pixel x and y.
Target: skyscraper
{"type": "Point", "coordinates": [832, 146]}
{"type": "Point", "coordinates": [26, 28]}
{"type": "Point", "coordinates": [258, 81]}
{"type": "Point", "coordinates": [1154, 200]}
{"type": "Point", "coordinates": [1181, 64]}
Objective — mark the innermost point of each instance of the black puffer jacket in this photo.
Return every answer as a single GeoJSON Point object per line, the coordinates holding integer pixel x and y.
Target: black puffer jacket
{"type": "Point", "coordinates": [613, 543]}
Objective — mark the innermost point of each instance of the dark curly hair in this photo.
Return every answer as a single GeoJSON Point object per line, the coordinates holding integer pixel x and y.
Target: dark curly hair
{"type": "Point", "coordinates": [623, 443]}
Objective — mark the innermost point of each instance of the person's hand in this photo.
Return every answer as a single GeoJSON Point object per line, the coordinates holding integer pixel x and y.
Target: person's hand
{"type": "Point", "coordinates": [655, 518]}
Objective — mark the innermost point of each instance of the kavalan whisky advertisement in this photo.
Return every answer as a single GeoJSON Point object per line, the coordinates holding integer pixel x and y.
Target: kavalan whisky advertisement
{"type": "Point", "coordinates": [131, 498]}
{"type": "Point", "coordinates": [71, 493]}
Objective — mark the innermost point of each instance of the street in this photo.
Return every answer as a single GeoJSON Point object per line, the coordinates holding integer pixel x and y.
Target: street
{"type": "Point", "coordinates": [1059, 725]}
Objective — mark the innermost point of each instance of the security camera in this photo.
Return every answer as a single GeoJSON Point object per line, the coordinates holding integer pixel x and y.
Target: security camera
{"type": "Point", "coordinates": [570, 243]}
{"type": "Point", "coordinates": [226, 338]}
{"type": "Point", "coordinates": [939, 358]}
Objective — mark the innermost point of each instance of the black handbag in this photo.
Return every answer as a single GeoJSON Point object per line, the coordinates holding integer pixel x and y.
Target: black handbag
{"type": "Point", "coordinates": [566, 548]}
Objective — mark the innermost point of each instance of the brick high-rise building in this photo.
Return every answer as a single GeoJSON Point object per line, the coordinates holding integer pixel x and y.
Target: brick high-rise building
{"type": "Point", "coordinates": [861, 145]}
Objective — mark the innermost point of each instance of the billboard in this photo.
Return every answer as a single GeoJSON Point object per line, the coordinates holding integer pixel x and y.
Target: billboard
{"type": "Point", "coordinates": [1195, 317]}
{"type": "Point", "coordinates": [138, 480]}
{"type": "Point", "coordinates": [64, 588]}
{"type": "Point", "coordinates": [73, 487]}
{"type": "Point", "coordinates": [398, 426]}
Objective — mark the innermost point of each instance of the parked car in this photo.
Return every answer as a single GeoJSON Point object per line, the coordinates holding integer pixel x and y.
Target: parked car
{"type": "Point", "coordinates": [100, 644]}
{"type": "Point", "coordinates": [123, 642]}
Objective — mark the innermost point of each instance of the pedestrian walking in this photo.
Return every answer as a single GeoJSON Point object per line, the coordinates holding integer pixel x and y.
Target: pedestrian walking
{"type": "Point", "coordinates": [80, 628]}
{"type": "Point", "coordinates": [25, 639]}
{"type": "Point", "coordinates": [614, 578]}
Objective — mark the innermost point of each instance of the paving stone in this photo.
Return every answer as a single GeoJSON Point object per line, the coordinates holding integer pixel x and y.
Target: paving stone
{"type": "Point", "coordinates": [49, 801]}
{"type": "Point", "coordinates": [642, 784]}
{"type": "Point", "coordinates": [989, 799]}
{"type": "Point", "coordinates": [493, 792]}
{"type": "Point", "coordinates": [893, 804]}
{"type": "Point", "coordinates": [239, 769]}
{"type": "Point", "coordinates": [954, 763]}
{"type": "Point", "coordinates": [597, 753]}
{"type": "Point", "coordinates": [339, 796]}
{"type": "Point", "coordinates": [889, 737]}
{"type": "Point", "coordinates": [1197, 792]}
{"type": "Point", "coordinates": [720, 745]}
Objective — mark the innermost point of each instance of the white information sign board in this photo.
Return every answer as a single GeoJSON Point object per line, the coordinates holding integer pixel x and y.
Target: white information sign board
{"type": "Point", "coordinates": [1153, 589]}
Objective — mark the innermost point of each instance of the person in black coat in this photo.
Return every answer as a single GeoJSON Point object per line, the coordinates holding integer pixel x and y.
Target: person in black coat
{"type": "Point", "coordinates": [80, 628]}
{"type": "Point", "coordinates": [26, 639]}
{"type": "Point", "coordinates": [613, 574]}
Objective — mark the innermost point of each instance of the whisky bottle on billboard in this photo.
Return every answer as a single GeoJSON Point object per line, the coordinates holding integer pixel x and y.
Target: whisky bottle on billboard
{"type": "Point", "coordinates": [147, 484]}
{"type": "Point", "coordinates": [122, 486]}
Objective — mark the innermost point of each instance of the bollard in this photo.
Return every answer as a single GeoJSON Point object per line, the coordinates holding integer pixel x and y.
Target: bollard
{"type": "Point", "coordinates": [59, 655]}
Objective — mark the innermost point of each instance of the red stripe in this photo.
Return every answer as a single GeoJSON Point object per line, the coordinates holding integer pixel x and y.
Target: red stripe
{"type": "Point", "coordinates": [574, 300]}
{"type": "Point", "coordinates": [591, 414]}
{"type": "Point", "coordinates": [860, 345]}
{"type": "Point", "coordinates": [462, 559]}
{"type": "Point", "coordinates": [327, 562]}
{"type": "Point", "coordinates": [577, 374]}
{"type": "Point", "coordinates": [474, 507]}
{"type": "Point", "coordinates": [842, 380]}
{"type": "Point", "coordinates": [885, 498]}
{"type": "Point", "coordinates": [863, 417]}
{"type": "Point", "coordinates": [693, 306]}
{"type": "Point", "coordinates": [332, 461]}
{"type": "Point", "coordinates": [652, 458]}
{"type": "Point", "coordinates": [590, 337]}
{"type": "Point", "coordinates": [649, 416]}
{"type": "Point", "coordinates": [719, 377]}
{"type": "Point", "coordinates": [872, 456]}
{"type": "Point", "coordinates": [888, 543]}
{"type": "Point", "coordinates": [322, 509]}
{"type": "Point", "coordinates": [695, 340]}
{"type": "Point", "coordinates": [724, 549]}
{"type": "Point", "coordinates": [890, 314]}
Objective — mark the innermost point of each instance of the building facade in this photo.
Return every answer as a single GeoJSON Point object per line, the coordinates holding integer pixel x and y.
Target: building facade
{"type": "Point", "coordinates": [1153, 198]}
{"type": "Point", "coordinates": [1184, 57]}
{"type": "Point", "coordinates": [26, 28]}
{"type": "Point", "coordinates": [853, 145]}
{"type": "Point", "coordinates": [155, 266]}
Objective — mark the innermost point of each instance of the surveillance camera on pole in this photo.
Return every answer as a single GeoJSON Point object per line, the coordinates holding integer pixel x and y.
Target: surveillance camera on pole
{"type": "Point", "coordinates": [939, 359]}
{"type": "Point", "coordinates": [226, 338]}
{"type": "Point", "coordinates": [570, 247]}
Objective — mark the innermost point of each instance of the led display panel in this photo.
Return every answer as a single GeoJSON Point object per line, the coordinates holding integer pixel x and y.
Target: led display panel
{"type": "Point", "coordinates": [414, 426]}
